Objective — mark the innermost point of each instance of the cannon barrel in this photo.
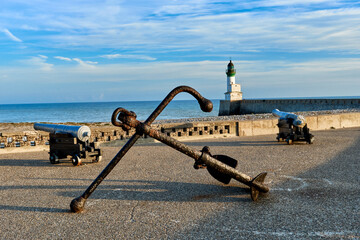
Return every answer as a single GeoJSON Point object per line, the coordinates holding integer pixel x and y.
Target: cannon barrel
{"type": "Point", "coordinates": [298, 120]}
{"type": "Point", "coordinates": [82, 133]}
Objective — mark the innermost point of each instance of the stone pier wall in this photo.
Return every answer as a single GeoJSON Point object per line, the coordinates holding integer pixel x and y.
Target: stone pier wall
{"type": "Point", "coordinates": [286, 105]}
{"type": "Point", "coordinates": [179, 130]}
{"type": "Point", "coordinates": [191, 131]}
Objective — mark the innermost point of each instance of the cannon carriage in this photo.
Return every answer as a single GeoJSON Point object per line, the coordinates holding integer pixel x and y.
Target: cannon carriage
{"type": "Point", "coordinates": [292, 128]}
{"type": "Point", "coordinates": [289, 133]}
{"type": "Point", "coordinates": [73, 141]}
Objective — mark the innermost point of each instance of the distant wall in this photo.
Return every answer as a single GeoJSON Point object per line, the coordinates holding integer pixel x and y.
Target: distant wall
{"type": "Point", "coordinates": [287, 105]}
{"type": "Point", "coordinates": [196, 130]}
{"type": "Point", "coordinates": [191, 131]}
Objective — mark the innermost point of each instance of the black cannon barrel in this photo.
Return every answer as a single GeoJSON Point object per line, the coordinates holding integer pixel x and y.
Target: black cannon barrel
{"type": "Point", "coordinates": [82, 133]}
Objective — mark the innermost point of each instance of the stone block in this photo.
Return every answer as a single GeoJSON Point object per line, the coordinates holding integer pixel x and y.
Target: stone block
{"type": "Point", "coordinates": [312, 122]}
{"type": "Point", "coordinates": [328, 121]}
{"type": "Point", "coordinates": [350, 120]}
{"type": "Point", "coordinates": [263, 127]}
{"type": "Point", "coordinates": [245, 128]}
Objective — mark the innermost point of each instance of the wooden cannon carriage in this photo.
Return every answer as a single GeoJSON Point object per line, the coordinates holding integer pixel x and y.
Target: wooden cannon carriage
{"type": "Point", "coordinates": [73, 141]}
{"type": "Point", "coordinates": [292, 128]}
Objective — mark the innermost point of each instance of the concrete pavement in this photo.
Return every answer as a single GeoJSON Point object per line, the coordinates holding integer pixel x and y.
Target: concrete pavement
{"type": "Point", "coordinates": [155, 193]}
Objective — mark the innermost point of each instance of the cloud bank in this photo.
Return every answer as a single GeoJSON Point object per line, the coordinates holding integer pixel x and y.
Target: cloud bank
{"type": "Point", "coordinates": [115, 48]}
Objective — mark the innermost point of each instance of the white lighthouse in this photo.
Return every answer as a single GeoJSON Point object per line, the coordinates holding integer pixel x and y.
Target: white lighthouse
{"type": "Point", "coordinates": [233, 90]}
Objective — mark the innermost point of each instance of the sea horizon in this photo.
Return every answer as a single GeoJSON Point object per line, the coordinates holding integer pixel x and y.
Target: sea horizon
{"type": "Point", "coordinates": [91, 112]}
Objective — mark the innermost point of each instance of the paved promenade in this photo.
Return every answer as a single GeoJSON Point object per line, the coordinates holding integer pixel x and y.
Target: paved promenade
{"type": "Point", "coordinates": [155, 193]}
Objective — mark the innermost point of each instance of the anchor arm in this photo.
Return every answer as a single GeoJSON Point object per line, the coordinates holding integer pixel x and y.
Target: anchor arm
{"type": "Point", "coordinates": [78, 204]}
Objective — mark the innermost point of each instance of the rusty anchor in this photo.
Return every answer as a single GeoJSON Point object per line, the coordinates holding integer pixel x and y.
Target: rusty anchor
{"type": "Point", "coordinates": [221, 167]}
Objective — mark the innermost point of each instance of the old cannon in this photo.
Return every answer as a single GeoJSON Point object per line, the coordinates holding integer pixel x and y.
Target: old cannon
{"type": "Point", "coordinates": [292, 128]}
{"type": "Point", "coordinates": [221, 167]}
{"type": "Point", "coordinates": [73, 141]}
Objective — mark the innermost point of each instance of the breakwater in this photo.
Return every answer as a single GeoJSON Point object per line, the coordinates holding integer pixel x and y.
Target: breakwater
{"type": "Point", "coordinates": [247, 125]}
{"type": "Point", "coordinates": [286, 105]}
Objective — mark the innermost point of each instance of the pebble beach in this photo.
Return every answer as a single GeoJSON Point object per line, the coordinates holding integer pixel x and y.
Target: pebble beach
{"type": "Point", "coordinates": [255, 116]}
{"type": "Point", "coordinates": [11, 128]}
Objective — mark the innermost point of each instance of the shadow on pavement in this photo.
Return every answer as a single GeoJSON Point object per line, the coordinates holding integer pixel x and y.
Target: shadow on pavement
{"type": "Point", "coordinates": [325, 205]}
{"type": "Point", "coordinates": [141, 190]}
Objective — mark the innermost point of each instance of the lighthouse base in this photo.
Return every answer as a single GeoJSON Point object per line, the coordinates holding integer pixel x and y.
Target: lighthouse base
{"type": "Point", "coordinates": [233, 96]}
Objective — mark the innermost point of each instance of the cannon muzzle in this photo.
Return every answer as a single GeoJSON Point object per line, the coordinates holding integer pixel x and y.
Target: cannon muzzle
{"type": "Point", "coordinates": [82, 133]}
{"type": "Point", "coordinates": [298, 120]}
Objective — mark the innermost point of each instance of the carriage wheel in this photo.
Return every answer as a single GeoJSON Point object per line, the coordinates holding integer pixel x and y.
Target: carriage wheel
{"type": "Point", "coordinates": [98, 158]}
{"type": "Point", "coordinates": [76, 160]}
{"type": "Point", "coordinates": [54, 159]}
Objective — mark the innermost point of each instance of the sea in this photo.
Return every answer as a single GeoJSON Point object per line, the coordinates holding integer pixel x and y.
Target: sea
{"type": "Point", "coordinates": [91, 112]}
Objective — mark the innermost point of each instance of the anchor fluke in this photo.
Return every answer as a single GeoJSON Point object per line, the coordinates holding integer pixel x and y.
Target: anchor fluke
{"type": "Point", "coordinates": [224, 178]}
{"type": "Point", "coordinates": [258, 179]}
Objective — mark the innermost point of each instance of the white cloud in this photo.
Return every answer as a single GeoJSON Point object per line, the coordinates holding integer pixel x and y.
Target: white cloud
{"type": "Point", "coordinates": [292, 2]}
{"type": "Point", "coordinates": [86, 64]}
{"type": "Point", "coordinates": [11, 36]}
{"type": "Point", "coordinates": [63, 58]}
{"type": "Point", "coordinates": [39, 62]}
{"type": "Point", "coordinates": [112, 56]}
{"type": "Point", "coordinates": [207, 26]}
{"type": "Point", "coordinates": [142, 57]}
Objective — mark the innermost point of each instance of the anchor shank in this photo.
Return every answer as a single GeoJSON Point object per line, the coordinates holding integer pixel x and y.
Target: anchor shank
{"type": "Point", "coordinates": [206, 158]}
{"type": "Point", "coordinates": [181, 147]}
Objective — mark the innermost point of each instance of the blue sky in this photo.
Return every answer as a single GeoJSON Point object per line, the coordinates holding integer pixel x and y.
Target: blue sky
{"type": "Point", "coordinates": [80, 51]}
